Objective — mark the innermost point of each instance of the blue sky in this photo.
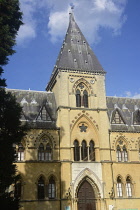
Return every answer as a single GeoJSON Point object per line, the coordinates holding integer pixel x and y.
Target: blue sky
{"type": "Point", "coordinates": [112, 27]}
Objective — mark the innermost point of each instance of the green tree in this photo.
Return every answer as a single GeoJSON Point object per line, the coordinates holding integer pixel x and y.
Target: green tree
{"type": "Point", "coordinates": [10, 21]}
{"type": "Point", "coordinates": [11, 130]}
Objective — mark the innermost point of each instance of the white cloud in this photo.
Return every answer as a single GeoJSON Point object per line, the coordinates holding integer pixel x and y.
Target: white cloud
{"type": "Point", "coordinates": [131, 95]}
{"type": "Point", "coordinates": [90, 15]}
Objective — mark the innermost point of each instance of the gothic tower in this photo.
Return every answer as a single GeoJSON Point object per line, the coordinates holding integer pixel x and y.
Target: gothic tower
{"type": "Point", "coordinates": [78, 83]}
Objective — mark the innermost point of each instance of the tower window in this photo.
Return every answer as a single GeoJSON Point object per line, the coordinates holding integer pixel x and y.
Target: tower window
{"type": "Point", "coordinates": [91, 151]}
{"type": "Point", "coordinates": [84, 150]}
{"type": "Point", "coordinates": [78, 98]}
{"type": "Point", "coordinates": [76, 151]}
{"type": "Point", "coordinates": [85, 98]}
{"type": "Point", "coordinates": [81, 96]}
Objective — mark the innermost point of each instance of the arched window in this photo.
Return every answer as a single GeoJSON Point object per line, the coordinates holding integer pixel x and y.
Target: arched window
{"type": "Point", "coordinates": [84, 150]}
{"type": "Point", "coordinates": [48, 152]}
{"type": "Point", "coordinates": [119, 155]}
{"type": "Point", "coordinates": [41, 152]}
{"type": "Point", "coordinates": [76, 151]}
{"type": "Point", "coordinates": [17, 192]}
{"type": "Point", "coordinates": [124, 154]}
{"type": "Point", "coordinates": [91, 151]}
{"type": "Point", "coordinates": [119, 187]}
{"type": "Point", "coordinates": [45, 154]}
{"type": "Point", "coordinates": [128, 187]}
{"type": "Point", "coordinates": [78, 98]}
{"type": "Point", "coordinates": [41, 188]}
{"type": "Point", "coordinates": [85, 98]}
{"type": "Point", "coordinates": [20, 152]}
{"type": "Point", "coordinates": [51, 188]}
{"type": "Point", "coordinates": [81, 95]}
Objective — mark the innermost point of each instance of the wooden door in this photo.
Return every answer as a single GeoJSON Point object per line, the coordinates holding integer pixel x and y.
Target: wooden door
{"type": "Point", "coordinates": [86, 197]}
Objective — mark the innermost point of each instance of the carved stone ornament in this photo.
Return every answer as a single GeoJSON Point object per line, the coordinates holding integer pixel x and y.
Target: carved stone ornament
{"type": "Point", "coordinates": [83, 128]}
{"type": "Point", "coordinates": [92, 81]}
{"type": "Point", "coordinates": [71, 80]}
{"type": "Point", "coordinates": [132, 139]}
{"type": "Point", "coordinates": [120, 142]}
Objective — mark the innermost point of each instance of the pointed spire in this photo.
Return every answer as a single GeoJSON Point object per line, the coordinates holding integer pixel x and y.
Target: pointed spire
{"type": "Point", "coordinates": [75, 53]}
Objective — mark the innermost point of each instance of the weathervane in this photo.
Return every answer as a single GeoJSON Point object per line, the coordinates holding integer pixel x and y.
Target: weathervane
{"type": "Point", "coordinates": [72, 6]}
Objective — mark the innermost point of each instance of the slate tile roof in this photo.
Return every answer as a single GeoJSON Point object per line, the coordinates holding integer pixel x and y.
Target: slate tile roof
{"type": "Point", "coordinates": [127, 107]}
{"type": "Point", "coordinates": [32, 103]}
{"type": "Point", "coordinates": [76, 53]}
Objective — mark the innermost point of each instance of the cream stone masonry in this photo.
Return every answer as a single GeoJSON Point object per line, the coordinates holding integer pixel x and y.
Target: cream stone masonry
{"type": "Point", "coordinates": [82, 151]}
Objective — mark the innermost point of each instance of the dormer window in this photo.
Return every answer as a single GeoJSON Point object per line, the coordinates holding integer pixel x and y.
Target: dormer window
{"type": "Point", "coordinates": [117, 118]}
{"type": "Point", "coordinates": [81, 96]}
{"type": "Point", "coordinates": [136, 117]}
{"type": "Point", "coordinates": [44, 115]}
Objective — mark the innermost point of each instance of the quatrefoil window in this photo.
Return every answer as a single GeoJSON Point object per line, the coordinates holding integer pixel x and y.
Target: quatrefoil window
{"type": "Point", "coordinates": [83, 128]}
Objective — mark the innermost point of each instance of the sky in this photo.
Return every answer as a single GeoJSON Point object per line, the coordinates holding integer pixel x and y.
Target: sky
{"type": "Point", "coordinates": [112, 28]}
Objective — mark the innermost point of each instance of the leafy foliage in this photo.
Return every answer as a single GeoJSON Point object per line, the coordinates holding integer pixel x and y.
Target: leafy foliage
{"type": "Point", "coordinates": [11, 130]}
{"type": "Point", "coordinates": [10, 21]}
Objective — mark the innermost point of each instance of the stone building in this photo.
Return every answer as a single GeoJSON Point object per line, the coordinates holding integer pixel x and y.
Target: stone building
{"type": "Point", "coordinates": [82, 149]}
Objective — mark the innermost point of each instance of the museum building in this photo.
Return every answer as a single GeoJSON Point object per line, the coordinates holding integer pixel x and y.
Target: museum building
{"type": "Point", "coordinates": [82, 151]}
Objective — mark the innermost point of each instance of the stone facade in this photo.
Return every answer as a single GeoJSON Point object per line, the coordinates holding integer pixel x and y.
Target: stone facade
{"type": "Point", "coordinates": [75, 111]}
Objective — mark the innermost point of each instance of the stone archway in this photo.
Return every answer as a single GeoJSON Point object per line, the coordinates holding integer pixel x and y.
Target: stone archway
{"type": "Point", "coordinates": [86, 197]}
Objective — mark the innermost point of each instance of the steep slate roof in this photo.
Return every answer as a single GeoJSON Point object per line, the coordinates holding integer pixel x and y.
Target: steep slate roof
{"type": "Point", "coordinates": [76, 53]}
{"type": "Point", "coordinates": [32, 102]}
{"type": "Point", "coordinates": [126, 107]}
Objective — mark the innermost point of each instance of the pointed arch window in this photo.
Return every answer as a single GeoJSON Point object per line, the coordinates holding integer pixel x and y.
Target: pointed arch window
{"type": "Point", "coordinates": [51, 188]}
{"type": "Point", "coordinates": [48, 152]}
{"type": "Point", "coordinates": [91, 151]}
{"type": "Point", "coordinates": [117, 118]}
{"type": "Point", "coordinates": [85, 98]}
{"type": "Point", "coordinates": [20, 152]}
{"type": "Point", "coordinates": [81, 95]}
{"type": "Point", "coordinates": [41, 152]}
{"type": "Point", "coordinates": [128, 187]}
{"type": "Point", "coordinates": [119, 154]}
{"type": "Point", "coordinates": [45, 154]}
{"type": "Point", "coordinates": [84, 150]}
{"type": "Point", "coordinates": [78, 98]}
{"type": "Point", "coordinates": [76, 151]}
{"type": "Point", "coordinates": [41, 188]}
{"type": "Point", "coordinates": [17, 192]}
{"type": "Point", "coordinates": [124, 154]}
{"type": "Point", "coordinates": [119, 187]}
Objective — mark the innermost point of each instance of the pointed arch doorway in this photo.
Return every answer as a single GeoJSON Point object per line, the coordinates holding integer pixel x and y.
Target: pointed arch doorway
{"type": "Point", "coordinates": [86, 197]}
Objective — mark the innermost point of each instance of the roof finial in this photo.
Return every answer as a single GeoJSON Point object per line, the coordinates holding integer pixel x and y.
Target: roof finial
{"type": "Point", "coordinates": [72, 7]}
{"type": "Point", "coordinates": [71, 12]}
